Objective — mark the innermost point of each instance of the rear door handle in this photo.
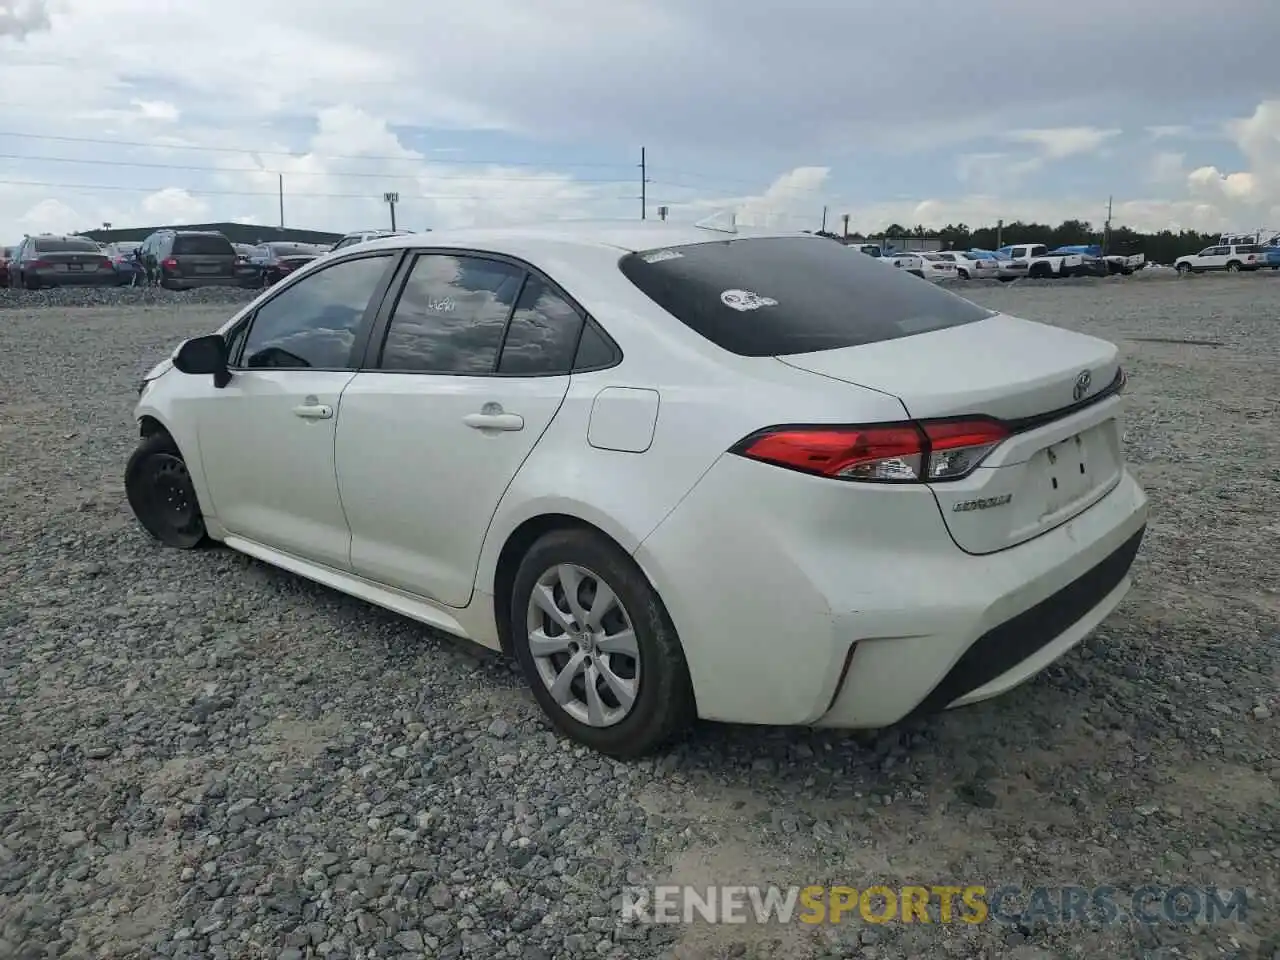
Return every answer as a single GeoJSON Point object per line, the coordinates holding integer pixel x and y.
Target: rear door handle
{"type": "Point", "coordinates": [494, 421]}
{"type": "Point", "coordinates": [313, 411]}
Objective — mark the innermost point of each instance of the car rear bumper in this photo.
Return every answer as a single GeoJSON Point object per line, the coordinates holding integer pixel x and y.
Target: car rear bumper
{"type": "Point", "coordinates": [59, 278]}
{"type": "Point", "coordinates": [803, 600]}
{"type": "Point", "coordinates": [190, 283]}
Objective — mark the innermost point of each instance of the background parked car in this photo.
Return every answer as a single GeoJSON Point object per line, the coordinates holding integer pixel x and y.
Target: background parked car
{"type": "Point", "coordinates": [60, 261]}
{"type": "Point", "coordinates": [129, 269]}
{"type": "Point", "coordinates": [1233, 258]}
{"type": "Point", "coordinates": [272, 262]}
{"type": "Point", "coordinates": [927, 265]}
{"type": "Point", "coordinates": [183, 259]}
{"type": "Point", "coordinates": [362, 236]}
{"type": "Point", "coordinates": [972, 266]}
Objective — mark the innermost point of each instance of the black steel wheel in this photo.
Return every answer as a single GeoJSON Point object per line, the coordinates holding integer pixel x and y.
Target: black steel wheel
{"type": "Point", "coordinates": [161, 493]}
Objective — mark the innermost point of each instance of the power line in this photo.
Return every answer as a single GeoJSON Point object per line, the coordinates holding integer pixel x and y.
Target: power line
{"type": "Point", "coordinates": [97, 141]}
{"type": "Point", "coordinates": [94, 161]}
{"type": "Point", "coordinates": [273, 194]}
{"type": "Point", "coordinates": [718, 179]}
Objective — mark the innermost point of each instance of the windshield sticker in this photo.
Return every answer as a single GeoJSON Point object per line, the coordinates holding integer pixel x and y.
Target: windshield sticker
{"type": "Point", "coordinates": [662, 255]}
{"type": "Point", "coordinates": [746, 300]}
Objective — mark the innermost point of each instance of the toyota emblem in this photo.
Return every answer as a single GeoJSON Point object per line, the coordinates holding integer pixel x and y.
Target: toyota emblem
{"type": "Point", "coordinates": [1082, 385]}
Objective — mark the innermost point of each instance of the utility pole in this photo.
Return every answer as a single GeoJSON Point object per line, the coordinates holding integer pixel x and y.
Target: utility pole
{"type": "Point", "coordinates": [391, 199]}
{"type": "Point", "coordinates": [280, 183]}
{"type": "Point", "coordinates": [845, 219]}
{"type": "Point", "coordinates": [824, 219]}
{"type": "Point", "coordinates": [644, 183]}
{"type": "Point", "coordinates": [999, 234]}
{"type": "Point", "coordinates": [1106, 229]}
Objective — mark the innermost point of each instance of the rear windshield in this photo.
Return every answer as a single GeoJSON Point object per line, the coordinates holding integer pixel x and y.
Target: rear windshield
{"type": "Point", "coordinates": [769, 296]}
{"type": "Point", "coordinates": [203, 245]}
{"type": "Point", "coordinates": [292, 250]}
{"type": "Point", "coordinates": [67, 246]}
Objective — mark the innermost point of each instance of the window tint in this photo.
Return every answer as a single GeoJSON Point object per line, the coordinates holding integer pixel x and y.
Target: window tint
{"type": "Point", "coordinates": [765, 296]}
{"type": "Point", "coordinates": [69, 245]}
{"type": "Point", "coordinates": [1247, 248]}
{"type": "Point", "coordinates": [451, 315]}
{"type": "Point", "coordinates": [313, 322]}
{"type": "Point", "coordinates": [594, 350]}
{"type": "Point", "coordinates": [543, 334]}
{"type": "Point", "coordinates": [203, 246]}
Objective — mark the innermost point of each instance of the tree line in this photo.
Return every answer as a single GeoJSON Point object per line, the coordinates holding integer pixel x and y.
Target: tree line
{"type": "Point", "coordinates": [1163, 247]}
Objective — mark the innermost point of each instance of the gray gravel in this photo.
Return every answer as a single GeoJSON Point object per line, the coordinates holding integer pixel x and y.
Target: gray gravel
{"type": "Point", "coordinates": [201, 756]}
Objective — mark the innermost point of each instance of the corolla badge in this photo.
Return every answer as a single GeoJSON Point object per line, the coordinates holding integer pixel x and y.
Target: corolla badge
{"type": "Point", "coordinates": [1082, 385]}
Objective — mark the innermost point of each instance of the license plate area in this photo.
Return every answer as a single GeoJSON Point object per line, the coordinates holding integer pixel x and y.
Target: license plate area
{"type": "Point", "coordinates": [208, 268]}
{"type": "Point", "coordinates": [1073, 468]}
{"type": "Point", "coordinates": [75, 266]}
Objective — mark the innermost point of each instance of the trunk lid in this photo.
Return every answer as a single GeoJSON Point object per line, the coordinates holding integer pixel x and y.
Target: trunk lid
{"type": "Point", "coordinates": [1065, 453]}
{"type": "Point", "coordinates": [74, 261]}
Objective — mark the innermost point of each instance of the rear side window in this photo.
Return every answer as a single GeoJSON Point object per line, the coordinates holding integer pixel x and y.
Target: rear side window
{"type": "Point", "coordinates": [451, 315]}
{"type": "Point", "coordinates": [770, 296]}
{"type": "Point", "coordinates": [67, 246]}
{"type": "Point", "coordinates": [203, 246]}
{"type": "Point", "coordinates": [542, 336]}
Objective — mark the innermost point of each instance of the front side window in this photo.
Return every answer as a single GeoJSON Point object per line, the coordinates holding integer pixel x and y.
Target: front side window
{"type": "Point", "coordinates": [771, 296]}
{"type": "Point", "coordinates": [313, 322]}
{"type": "Point", "coordinates": [451, 315]}
{"type": "Point", "coordinates": [543, 334]}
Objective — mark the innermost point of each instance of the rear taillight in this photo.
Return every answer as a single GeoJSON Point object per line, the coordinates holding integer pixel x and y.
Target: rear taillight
{"type": "Point", "coordinates": [107, 262]}
{"type": "Point", "coordinates": [928, 451]}
{"type": "Point", "coordinates": [169, 263]}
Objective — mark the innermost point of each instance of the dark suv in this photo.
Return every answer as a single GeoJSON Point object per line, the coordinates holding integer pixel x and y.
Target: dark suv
{"type": "Point", "coordinates": [58, 261]}
{"type": "Point", "coordinates": [183, 259]}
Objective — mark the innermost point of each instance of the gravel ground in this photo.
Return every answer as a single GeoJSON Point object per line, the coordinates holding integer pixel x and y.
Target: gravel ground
{"type": "Point", "coordinates": [201, 756]}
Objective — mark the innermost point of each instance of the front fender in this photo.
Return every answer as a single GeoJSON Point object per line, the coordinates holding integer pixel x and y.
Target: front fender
{"type": "Point", "coordinates": [153, 409]}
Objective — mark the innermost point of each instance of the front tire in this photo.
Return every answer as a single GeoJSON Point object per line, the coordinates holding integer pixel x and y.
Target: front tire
{"type": "Point", "coordinates": [161, 494]}
{"type": "Point", "coordinates": [1184, 268]}
{"type": "Point", "coordinates": [964, 274]}
{"type": "Point", "coordinates": [597, 646]}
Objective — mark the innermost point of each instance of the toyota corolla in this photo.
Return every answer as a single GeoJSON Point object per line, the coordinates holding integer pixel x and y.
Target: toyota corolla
{"type": "Point", "coordinates": [675, 471]}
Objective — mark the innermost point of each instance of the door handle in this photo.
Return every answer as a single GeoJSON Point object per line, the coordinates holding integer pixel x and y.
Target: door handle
{"type": "Point", "coordinates": [313, 411]}
{"type": "Point", "coordinates": [494, 421]}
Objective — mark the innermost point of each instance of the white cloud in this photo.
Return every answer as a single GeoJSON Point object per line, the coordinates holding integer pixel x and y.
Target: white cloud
{"type": "Point", "coordinates": [346, 101]}
{"type": "Point", "coordinates": [19, 18]}
{"type": "Point", "coordinates": [1058, 143]}
{"type": "Point", "coordinates": [1168, 131]}
{"type": "Point", "coordinates": [174, 205]}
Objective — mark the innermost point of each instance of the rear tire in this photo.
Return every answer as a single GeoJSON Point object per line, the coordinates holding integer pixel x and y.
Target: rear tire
{"type": "Point", "coordinates": [30, 283]}
{"type": "Point", "coordinates": [1233, 267]}
{"type": "Point", "coordinates": [161, 494]}
{"type": "Point", "coordinates": [964, 274]}
{"type": "Point", "coordinates": [629, 644]}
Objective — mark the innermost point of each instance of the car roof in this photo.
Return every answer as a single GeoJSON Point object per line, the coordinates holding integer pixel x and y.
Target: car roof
{"type": "Point", "coordinates": [628, 236]}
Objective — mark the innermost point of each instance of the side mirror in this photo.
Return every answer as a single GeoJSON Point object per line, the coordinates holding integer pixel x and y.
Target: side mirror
{"type": "Point", "coordinates": [201, 356]}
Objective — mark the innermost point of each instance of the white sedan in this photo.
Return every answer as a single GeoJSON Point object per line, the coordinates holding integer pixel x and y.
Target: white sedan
{"type": "Point", "coordinates": [972, 266]}
{"type": "Point", "coordinates": [675, 472]}
{"type": "Point", "coordinates": [928, 266]}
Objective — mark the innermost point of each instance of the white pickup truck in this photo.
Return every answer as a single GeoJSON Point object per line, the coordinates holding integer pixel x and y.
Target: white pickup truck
{"type": "Point", "coordinates": [1043, 264]}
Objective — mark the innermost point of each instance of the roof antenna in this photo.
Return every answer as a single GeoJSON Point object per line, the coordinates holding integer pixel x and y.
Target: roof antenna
{"type": "Point", "coordinates": [722, 221]}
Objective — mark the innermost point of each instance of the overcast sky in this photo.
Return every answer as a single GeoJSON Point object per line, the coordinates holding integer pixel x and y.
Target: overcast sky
{"type": "Point", "coordinates": [488, 111]}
